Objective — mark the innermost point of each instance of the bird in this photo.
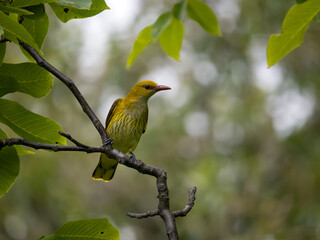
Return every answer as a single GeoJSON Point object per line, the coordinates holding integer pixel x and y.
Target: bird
{"type": "Point", "coordinates": [126, 122]}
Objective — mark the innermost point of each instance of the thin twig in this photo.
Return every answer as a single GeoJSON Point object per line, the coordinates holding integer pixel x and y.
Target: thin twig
{"type": "Point", "coordinates": [68, 136]}
{"type": "Point", "coordinates": [188, 207]}
{"type": "Point", "coordinates": [53, 147]}
{"type": "Point", "coordinates": [3, 40]}
{"type": "Point", "coordinates": [143, 215]}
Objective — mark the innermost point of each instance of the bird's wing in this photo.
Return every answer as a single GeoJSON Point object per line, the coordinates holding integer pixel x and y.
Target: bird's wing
{"type": "Point", "coordinates": [145, 125]}
{"type": "Point", "coordinates": [112, 111]}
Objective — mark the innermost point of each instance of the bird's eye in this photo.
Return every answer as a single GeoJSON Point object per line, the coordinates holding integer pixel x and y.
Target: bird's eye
{"type": "Point", "coordinates": [146, 86]}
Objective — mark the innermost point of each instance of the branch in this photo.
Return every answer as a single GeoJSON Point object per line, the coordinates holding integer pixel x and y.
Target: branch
{"type": "Point", "coordinates": [179, 213]}
{"type": "Point", "coordinates": [188, 207]}
{"type": "Point", "coordinates": [70, 84]}
{"type": "Point", "coordinates": [3, 40]}
{"type": "Point", "coordinates": [67, 136]}
{"type": "Point", "coordinates": [143, 215]}
{"type": "Point", "coordinates": [163, 193]}
{"type": "Point", "coordinates": [53, 147]}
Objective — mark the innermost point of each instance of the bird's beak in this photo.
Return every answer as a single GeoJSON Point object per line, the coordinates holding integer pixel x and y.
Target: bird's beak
{"type": "Point", "coordinates": [162, 87]}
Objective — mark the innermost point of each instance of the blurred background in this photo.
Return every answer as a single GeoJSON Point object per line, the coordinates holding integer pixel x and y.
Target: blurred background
{"type": "Point", "coordinates": [248, 137]}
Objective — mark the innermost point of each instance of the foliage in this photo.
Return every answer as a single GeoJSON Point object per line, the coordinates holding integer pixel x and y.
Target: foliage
{"type": "Point", "coordinates": [9, 166]}
{"type": "Point", "coordinates": [13, 30]}
{"type": "Point", "coordinates": [29, 125]}
{"type": "Point", "coordinates": [89, 229]}
{"type": "Point", "coordinates": [168, 29]}
{"type": "Point", "coordinates": [294, 26]}
{"type": "Point", "coordinates": [27, 78]}
{"type": "Point", "coordinates": [66, 11]}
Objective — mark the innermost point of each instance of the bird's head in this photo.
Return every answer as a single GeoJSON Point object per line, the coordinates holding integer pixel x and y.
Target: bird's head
{"type": "Point", "coordinates": [145, 89]}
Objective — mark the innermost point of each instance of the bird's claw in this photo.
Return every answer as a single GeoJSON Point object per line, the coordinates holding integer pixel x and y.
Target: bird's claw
{"type": "Point", "coordinates": [132, 157]}
{"type": "Point", "coordinates": [108, 141]}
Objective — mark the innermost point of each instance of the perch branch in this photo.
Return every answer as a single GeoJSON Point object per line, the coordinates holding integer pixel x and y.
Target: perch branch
{"type": "Point", "coordinates": [163, 193]}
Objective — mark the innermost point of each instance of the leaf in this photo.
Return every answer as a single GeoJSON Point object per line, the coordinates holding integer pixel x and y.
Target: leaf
{"type": "Point", "coordinates": [21, 151]}
{"type": "Point", "coordinates": [294, 26]}
{"type": "Point", "coordinates": [29, 125]}
{"type": "Point", "coordinates": [27, 3]}
{"type": "Point", "coordinates": [11, 37]}
{"type": "Point", "coordinates": [87, 229]}
{"type": "Point", "coordinates": [37, 24]}
{"type": "Point", "coordinates": [84, 4]}
{"type": "Point", "coordinates": [65, 13]}
{"type": "Point", "coordinates": [9, 9]}
{"type": "Point", "coordinates": [26, 78]}
{"type": "Point", "coordinates": [144, 39]}
{"type": "Point", "coordinates": [9, 166]}
{"type": "Point", "coordinates": [160, 24]}
{"type": "Point", "coordinates": [201, 13]}
{"type": "Point", "coordinates": [2, 53]}
{"type": "Point", "coordinates": [179, 9]}
{"type": "Point", "coordinates": [171, 38]}
{"type": "Point", "coordinates": [16, 30]}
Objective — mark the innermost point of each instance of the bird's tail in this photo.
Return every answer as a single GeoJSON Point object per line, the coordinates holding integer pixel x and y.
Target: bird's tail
{"type": "Point", "coordinates": [105, 169]}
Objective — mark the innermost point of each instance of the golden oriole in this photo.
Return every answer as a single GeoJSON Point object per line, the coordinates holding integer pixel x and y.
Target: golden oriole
{"type": "Point", "coordinates": [126, 122]}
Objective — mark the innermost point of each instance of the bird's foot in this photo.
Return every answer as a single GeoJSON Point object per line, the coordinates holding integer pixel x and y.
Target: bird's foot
{"type": "Point", "coordinates": [108, 141]}
{"type": "Point", "coordinates": [132, 158]}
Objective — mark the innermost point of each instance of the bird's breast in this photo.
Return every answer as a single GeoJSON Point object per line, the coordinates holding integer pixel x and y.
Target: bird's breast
{"type": "Point", "coordinates": [126, 128]}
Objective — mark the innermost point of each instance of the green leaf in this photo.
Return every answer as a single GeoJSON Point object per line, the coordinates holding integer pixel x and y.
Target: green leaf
{"type": "Point", "coordinates": [21, 151]}
{"type": "Point", "coordinates": [16, 30]}
{"type": "Point", "coordinates": [65, 13]}
{"type": "Point", "coordinates": [1, 31]}
{"type": "Point", "coordinates": [171, 38]}
{"type": "Point", "coordinates": [37, 24]}
{"type": "Point", "coordinates": [202, 14]}
{"type": "Point", "coordinates": [86, 229]}
{"type": "Point", "coordinates": [84, 4]}
{"type": "Point", "coordinates": [27, 3]}
{"type": "Point", "coordinates": [294, 26]}
{"type": "Point", "coordinates": [11, 37]}
{"type": "Point", "coordinates": [26, 78]}
{"type": "Point", "coordinates": [144, 39]}
{"type": "Point", "coordinates": [29, 125]}
{"type": "Point", "coordinates": [9, 166]}
{"type": "Point", "coordinates": [2, 53]}
{"type": "Point", "coordinates": [9, 9]}
{"type": "Point", "coordinates": [179, 9]}
{"type": "Point", "coordinates": [160, 24]}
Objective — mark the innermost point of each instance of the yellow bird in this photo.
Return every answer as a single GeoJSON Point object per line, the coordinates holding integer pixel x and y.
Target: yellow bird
{"type": "Point", "coordinates": [126, 122]}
